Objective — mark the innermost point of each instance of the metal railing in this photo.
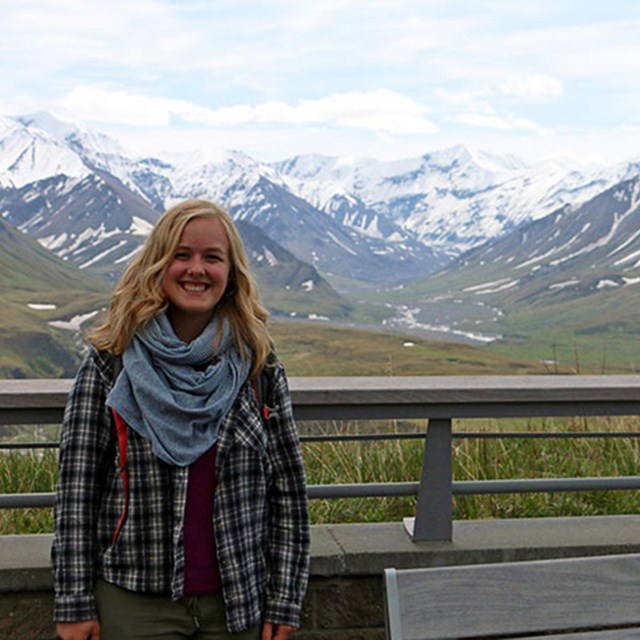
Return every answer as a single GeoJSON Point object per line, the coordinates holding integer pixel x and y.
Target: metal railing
{"type": "Point", "coordinates": [437, 399]}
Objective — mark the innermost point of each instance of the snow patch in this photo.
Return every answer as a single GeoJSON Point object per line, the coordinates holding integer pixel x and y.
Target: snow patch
{"type": "Point", "coordinates": [140, 227]}
{"type": "Point", "coordinates": [41, 307]}
{"type": "Point", "coordinates": [271, 259]}
{"type": "Point", "coordinates": [75, 323]}
{"type": "Point", "coordinates": [486, 284]}
{"type": "Point", "coordinates": [102, 255]}
{"type": "Point", "coordinates": [341, 244]}
{"type": "Point", "coordinates": [601, 242]}
{"type": "Point", "coordinates": [566, 283]}
{"type": "Point", "coordinates": [54, 242]}
{"type": "Point", "coordinates": [507, 285]}
{"type": "Point", "coordinates": [129, 255]}
{"type": "Point", "coordinates": [619, 248]}
{"type": "Point", "coordinates": [629, 258]}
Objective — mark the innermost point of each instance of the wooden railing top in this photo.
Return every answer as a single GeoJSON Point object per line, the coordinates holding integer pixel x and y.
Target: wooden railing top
{"type": "Point", "coordinates": [410, 396]}
{"type": "Point", "coordinates": [466, 389]}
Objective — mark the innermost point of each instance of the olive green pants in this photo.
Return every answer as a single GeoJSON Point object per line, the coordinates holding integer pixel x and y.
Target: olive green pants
{"type": "Point", "coordinates": [126, 615]}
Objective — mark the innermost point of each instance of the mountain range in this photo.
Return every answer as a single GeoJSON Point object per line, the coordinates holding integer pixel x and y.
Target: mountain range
{"type": "Point", "coordinates": [385, 223]}
{"type": "Point", "coordinates": [48, 169]}
{"type": "Point", "coordinates": [451, 242]}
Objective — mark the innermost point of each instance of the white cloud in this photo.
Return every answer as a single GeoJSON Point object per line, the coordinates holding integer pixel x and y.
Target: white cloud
{"type": "Point", "coordinates": [473, 99]}
{"type": "Point", "coordinates": [505, 122]}
{"type": "Point", "coordinates": [279, 70]}
{"type": "Point", "coordinates": [99, 104]}
{"type": "Point", "coordinates": [381, 111]}
{"type": "Point", "coordinates": [533, 88]}
{"type": "Point", "coordinates": [475, 108]}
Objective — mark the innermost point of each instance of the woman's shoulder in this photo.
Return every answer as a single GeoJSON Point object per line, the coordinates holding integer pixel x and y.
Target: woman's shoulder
{"type": "Point", "coordinates": [103, 363]}
{"type": "Point", "coordinates": [273, 368]}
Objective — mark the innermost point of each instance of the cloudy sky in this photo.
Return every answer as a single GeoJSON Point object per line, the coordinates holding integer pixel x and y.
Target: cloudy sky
{"type": "Point", "coordinates": [381, 78]}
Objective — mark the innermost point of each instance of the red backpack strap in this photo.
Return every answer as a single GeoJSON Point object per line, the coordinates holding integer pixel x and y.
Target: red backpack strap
{"type": "Point", "coordinates": [258, 390]}
{"type": "Point", "coordinates": [121, 436]}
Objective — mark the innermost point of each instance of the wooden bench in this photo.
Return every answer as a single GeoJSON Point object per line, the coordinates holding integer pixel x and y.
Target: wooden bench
{"type": "Point", "coordinates": [595, 598]}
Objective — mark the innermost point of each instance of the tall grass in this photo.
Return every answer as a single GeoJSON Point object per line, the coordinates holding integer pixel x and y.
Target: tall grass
{"type": "Point", "coordinates": [483, 459]}
{"type": "Point", "coordinates": [337, 462]}
{"type": "Point", "coordinates": [401, 461]}
{"type": "Point", "coordinates": [545, 458]}
{"type": "Point", "coordinates": [32, 471]}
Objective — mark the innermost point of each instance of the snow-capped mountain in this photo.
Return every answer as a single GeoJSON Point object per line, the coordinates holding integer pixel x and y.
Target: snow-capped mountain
{"type": "Point", "coordinates": [563, 258]}
{"type": "Point", "coordinates": [30, 154]}
{"type": "Point", "coordinates": [574, 272]}
{"type": "Point", "coordinates": [484, 245]}
{"type": "Point", "coordinates": [453, 199]}
{"type": "Point", "coordinates": [248, 189]}
{"type": "Point", "coordinates": [259, 193]}
{"type": "Point", "coordinates": [94, 221]}
{"type": "Point", "coordinates": [569, 254]}
{"type": "Point", "coordinates": [382, 223]}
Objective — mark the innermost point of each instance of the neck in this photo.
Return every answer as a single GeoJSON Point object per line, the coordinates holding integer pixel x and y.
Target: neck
{"type": "Point", "coordinates": [187, 327]}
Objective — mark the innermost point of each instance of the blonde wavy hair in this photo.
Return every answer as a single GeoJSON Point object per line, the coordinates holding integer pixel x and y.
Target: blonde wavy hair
{"type": "Point", "coordinates": [139, 295]}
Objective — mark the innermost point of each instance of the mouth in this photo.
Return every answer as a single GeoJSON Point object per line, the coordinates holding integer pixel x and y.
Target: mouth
{"type": "Point", "coordinates": [195, 287]}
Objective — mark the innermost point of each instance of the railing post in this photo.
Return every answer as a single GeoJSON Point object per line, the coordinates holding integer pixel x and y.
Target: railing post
{"type": "Point", "coordinates": [434, 510]}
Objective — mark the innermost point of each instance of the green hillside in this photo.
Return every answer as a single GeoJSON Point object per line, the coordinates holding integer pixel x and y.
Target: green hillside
{"type": "Point", "coordinates": [318, 349]}
{"type": "Point", "coordinates": [597, 331]}
{"type": "Point", "coordinates": [36, 288]}
{"type": "Point", "coordinates": [27, 266]}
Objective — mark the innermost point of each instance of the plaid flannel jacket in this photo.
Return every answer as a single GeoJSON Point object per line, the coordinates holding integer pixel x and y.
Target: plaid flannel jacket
{"type": "Point", "coordinates": [260, 511]}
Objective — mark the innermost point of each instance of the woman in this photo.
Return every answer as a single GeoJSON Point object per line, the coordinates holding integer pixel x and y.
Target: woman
{"type": "Point", "coordinates": [204, 529]}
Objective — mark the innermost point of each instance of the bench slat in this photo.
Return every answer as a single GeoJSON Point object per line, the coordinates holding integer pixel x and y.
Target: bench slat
{"type": "Point", "coordinates": [517, 597]}
{"type": "Point", "coordinates": [616, 634]}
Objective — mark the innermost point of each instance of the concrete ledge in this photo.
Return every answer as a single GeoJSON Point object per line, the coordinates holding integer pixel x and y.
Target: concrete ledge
{"type": "Point", "coordinates": [345, 600]}
{"type": "Point", "coordinates": [25, 563]}
{"type": "Point", "coordinates": [367, 549]}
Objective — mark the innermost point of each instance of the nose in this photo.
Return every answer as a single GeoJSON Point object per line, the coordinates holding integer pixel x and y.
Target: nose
{"type": "Point", "coordinates": [196, 266]}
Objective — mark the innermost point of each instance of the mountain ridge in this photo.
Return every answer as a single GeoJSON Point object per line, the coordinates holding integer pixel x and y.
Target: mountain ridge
{"type": "Point", "coordinates": [386, 230]}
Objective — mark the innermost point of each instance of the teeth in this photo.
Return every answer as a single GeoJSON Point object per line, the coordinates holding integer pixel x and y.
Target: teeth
{"type": "Point", "coordinates": [195, 287]}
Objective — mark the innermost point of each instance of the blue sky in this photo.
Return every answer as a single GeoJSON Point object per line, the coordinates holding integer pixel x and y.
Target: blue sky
{"type": "Point", "coordinates": [381, 78]}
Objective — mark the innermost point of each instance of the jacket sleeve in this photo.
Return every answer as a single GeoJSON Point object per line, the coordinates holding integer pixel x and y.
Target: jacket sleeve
{"type": "Point", "coordinates": [288, 526]}
{"type": "Point", "coordinates": [86, 448]}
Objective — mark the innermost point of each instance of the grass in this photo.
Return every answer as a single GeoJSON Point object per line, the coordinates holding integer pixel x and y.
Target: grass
{"type": "Point", "coordinates": [309, 349]}
{"type": "Point", "coordinates": [401, 461]}
{"type": "Point", "coordinates": [483, 459]}
{"type": "Point", "coordinates": [27, 472]}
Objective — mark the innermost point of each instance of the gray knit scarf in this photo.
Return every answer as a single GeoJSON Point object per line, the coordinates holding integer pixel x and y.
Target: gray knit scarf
{"type": "Point", "coordinates": [176, 394]}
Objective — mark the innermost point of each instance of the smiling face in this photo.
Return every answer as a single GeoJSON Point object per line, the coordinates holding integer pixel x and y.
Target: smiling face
{"type": "Point", "coordinates": [197, 276]}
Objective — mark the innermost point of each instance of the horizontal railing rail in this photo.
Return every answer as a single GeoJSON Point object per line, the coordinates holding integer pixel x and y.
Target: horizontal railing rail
{"type": "Point", "coordinates": [437, 399]}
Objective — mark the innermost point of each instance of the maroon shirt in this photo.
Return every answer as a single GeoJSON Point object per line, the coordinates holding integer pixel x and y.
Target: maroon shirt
{"type": "Point", "coordinates": [201, 570]}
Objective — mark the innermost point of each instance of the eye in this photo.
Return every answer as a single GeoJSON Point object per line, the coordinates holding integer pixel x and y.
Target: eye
{"type": "Point", "coordinates": [181, 254]}
{"type": "Point", "coordinates": [214, 257]}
